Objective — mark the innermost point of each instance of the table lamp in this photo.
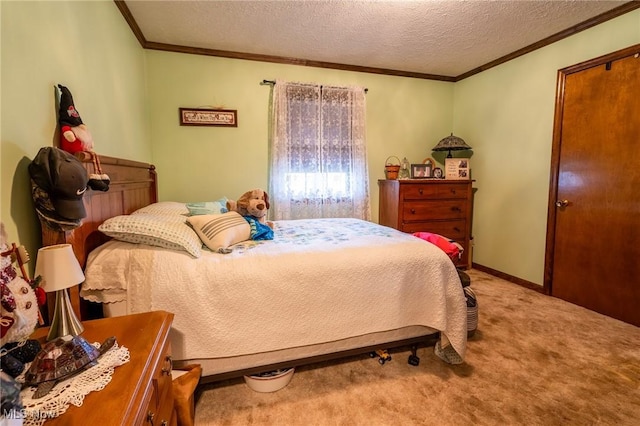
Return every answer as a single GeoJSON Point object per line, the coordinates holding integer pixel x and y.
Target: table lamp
{"type": "Point", "coordinates": [451, 143]}
{"type": "Point", "coordinates": [59, 269]}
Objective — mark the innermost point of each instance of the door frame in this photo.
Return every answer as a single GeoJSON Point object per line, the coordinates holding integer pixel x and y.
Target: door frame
{"type": "Point", "coordinates": [555, 151]}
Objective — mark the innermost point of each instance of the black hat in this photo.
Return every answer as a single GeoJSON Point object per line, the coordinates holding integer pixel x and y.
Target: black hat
{"type": "Point", "coordinates": [68, 114]}
{"type": "Point", "coordinates": [47, 213]}
{"type": "Point", "coordinates": [64, 178]}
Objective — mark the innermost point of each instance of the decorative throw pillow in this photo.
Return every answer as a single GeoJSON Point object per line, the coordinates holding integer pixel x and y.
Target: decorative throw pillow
{"type": "Point", "coordinates": [220, 231]}
{"type": "Point", "coordinates": [170, 208]}
{"type": "Point", "coordinates": [208, 207]}
{"type": "Point", "coordinates": [166, 231]}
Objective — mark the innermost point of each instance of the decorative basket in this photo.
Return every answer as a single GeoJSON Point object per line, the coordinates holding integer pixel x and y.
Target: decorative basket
{"type": "Point", "coordinates": [472, 311]}
{"type": "Point", "coordinates": [390, 169]}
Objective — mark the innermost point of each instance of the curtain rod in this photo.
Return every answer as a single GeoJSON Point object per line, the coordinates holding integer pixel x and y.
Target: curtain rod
{"type": "Point", "coordinates": [272, 82]}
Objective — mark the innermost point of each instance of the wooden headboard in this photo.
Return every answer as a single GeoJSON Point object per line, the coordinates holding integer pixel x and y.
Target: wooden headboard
{"type": "Point", "coordinates": [133, 185]}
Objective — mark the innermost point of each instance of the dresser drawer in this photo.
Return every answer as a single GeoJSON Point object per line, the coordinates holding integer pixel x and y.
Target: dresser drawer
{"type": "Point", "coordinates": [453, 229]}
{"type": "Point", "coordinates": [433, 210]}
{"type": "Point", "coordinates": [160, 409]}
{"type": "Point", "coordinates": [419, 192]}
{"type": "Point", "coordinates": [429, 191]}
{"type": "Point", "coordinates": [453, 190]}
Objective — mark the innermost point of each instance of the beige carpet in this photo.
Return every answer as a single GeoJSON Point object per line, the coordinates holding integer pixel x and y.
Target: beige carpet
{"type": "Point", "coordinates": [534, 360]}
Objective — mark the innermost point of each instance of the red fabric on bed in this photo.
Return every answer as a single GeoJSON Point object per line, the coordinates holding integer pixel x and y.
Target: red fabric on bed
{"type": "Point", "coordinates": [450, 248]}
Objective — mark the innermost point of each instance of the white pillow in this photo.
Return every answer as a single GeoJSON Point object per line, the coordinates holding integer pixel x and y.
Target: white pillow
{"type": "Point", "coordinates": [219, 231]}
{"type": "Point", "coordinates": [168, 231]}
{"type": "Point", "coordinates": [164, 208]}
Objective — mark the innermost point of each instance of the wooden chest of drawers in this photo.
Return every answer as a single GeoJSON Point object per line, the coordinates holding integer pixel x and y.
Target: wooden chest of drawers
{"type": "Point", "coordinates": [140, 391]}
{"type": "Point", "coordinates": [438, 206]}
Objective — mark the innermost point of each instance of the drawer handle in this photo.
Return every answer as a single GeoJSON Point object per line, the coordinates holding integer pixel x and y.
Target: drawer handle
{"type": "Point", "coordinates": [420, 191]}
{"type": "Point", "coordinates": [413, 211]}
{"type": "Point", "coordinates": [453, 191]}
{"type": "Point", "coordinates": [167, 370]}
{"type": "Point", "coordinates": [455, 228]}
{"type": "Point", "coordinates": [151, 415]}
{"type": "Point", "coordinates": [456, 209]}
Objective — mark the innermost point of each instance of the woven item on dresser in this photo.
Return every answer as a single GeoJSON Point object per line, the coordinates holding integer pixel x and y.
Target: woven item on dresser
{"type": "Point", "coordinates": [72, 390]}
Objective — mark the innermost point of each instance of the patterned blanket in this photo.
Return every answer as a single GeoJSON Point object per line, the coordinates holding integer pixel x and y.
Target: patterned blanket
{"type": "Point", "coordinates": [317, 281]}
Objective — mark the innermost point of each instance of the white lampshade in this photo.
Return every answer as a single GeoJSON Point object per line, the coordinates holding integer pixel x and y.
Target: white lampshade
{"type": "Point", "coordinates": [58, 267]}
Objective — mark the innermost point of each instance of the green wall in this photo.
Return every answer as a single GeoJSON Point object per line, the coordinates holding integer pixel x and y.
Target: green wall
{"type": "Point", "coordinates": [129, 98]}
{"type": "Point", "coordinates": [506, 114]}
{"type": "Point", "coordinates": [88, 47]}
{"type": "Point", "coordinates": [405, 117]}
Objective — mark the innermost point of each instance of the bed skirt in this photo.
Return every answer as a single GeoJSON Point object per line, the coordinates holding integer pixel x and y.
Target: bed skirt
{"type": "Point", "coordinates": [215, 369]}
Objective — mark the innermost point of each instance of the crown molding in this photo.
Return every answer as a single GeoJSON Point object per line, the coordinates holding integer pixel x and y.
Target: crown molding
{"type": "Point", "coordinates": [146, 44]}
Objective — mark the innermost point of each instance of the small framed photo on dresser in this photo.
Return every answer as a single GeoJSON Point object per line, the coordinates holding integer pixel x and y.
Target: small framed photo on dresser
{"type": "Point", "coordinates": [420, 171]}
{"type": "Point", "coordinates": [457, 169]}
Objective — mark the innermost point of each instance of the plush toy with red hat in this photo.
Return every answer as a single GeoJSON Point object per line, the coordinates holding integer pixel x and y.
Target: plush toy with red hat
{"type": "Point", "coordinates": [75, 137]}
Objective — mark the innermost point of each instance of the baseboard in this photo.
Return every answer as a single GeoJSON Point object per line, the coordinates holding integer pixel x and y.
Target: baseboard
{"type": "Point", "coordinates": [510, 278]}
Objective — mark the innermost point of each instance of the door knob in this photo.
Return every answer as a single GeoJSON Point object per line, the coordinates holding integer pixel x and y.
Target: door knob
{"type": "Point", "coordinates": [562, 203]}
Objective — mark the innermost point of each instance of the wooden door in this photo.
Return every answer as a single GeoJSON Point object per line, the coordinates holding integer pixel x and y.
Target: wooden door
{"type": "Point", "coordinates": [593, 237]}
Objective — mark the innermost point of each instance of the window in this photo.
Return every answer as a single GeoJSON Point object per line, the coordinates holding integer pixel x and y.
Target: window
{"type": "Point", "coordinates": [318, 152]}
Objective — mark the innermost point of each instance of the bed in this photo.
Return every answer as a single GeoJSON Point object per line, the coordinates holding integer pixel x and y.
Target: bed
{"type": "Point", "coordinates": [321, 289]}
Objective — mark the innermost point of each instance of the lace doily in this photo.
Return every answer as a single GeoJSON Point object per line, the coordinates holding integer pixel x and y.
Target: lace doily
{"type": "Point", "coordinates": [71, 391]}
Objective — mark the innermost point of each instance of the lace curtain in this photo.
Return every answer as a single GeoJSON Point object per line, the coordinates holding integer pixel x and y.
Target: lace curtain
{"type": "Point", "coordinates": [318, 152]}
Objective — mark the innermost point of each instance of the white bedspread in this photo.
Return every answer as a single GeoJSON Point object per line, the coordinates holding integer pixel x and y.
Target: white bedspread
{"type": "Point", "coordinates": [317, 281]}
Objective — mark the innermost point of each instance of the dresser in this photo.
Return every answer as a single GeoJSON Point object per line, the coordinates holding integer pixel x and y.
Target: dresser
{"type": "Point", "coordinates": [140, 391]}
{"type": "Point", "coordinates": [435, 205]}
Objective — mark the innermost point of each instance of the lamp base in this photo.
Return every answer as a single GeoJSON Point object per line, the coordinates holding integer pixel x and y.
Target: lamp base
{"type": "Point", "coordinates": [64, 321]}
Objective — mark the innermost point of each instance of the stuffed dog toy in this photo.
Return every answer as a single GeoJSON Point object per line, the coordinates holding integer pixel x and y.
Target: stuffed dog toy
{"type": "Point", "coordinates": [253, 206]}
{"type": "Point", "coordinates": [252, 203]}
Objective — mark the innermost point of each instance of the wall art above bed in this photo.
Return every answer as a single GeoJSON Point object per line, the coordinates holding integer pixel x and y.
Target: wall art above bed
{"type": "Point", "coordinates": [208, 117]}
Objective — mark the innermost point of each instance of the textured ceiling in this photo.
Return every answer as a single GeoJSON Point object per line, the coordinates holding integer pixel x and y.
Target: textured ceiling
{"type": "Point", "coordinates": [442, 38]}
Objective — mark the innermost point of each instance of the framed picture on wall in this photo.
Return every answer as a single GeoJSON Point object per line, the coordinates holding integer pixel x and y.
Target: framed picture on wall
{"type": "Point", "coordinates": [208, 117]}
{"type": "Point", "coordinates": [457, 169]}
